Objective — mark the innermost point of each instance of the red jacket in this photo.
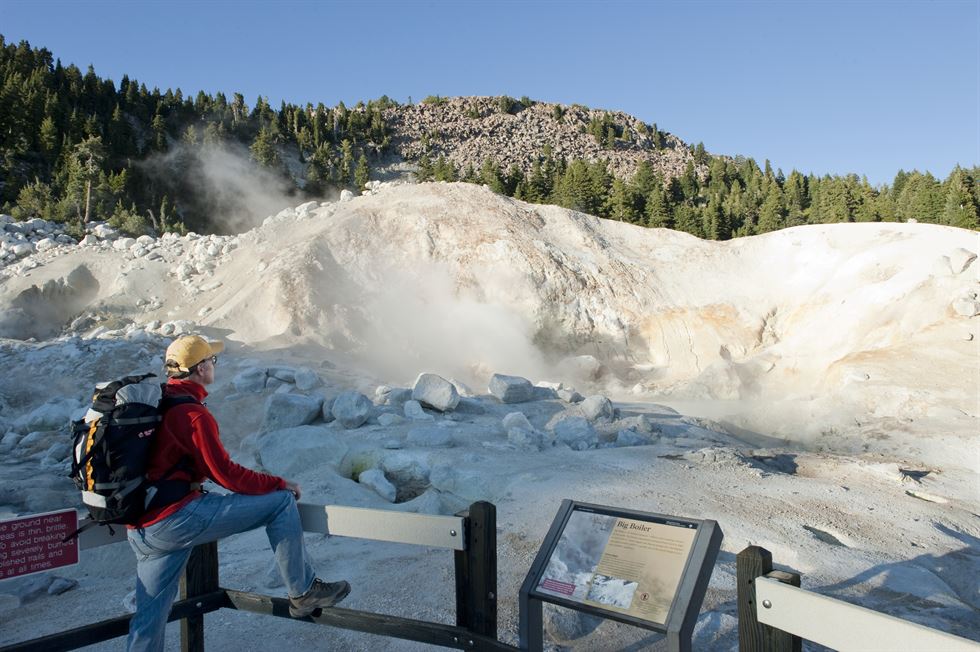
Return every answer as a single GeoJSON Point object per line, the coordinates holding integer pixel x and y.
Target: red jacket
{"type": "Point", "coordinates": [190, 433]}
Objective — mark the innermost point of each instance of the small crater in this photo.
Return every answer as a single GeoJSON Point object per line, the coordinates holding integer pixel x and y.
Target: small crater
{"type": "Point", "coordinates": [824, 536]}
{"type": "Point", "coordinates": [780, 463]}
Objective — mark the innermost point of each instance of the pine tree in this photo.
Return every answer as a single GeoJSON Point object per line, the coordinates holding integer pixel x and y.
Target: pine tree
{"type": "Point", "coordinates": [960, 207]}
{"type": "Point", "coordinates": [658, 210]}
{"type": "Point", "coordinates": [264, 150]}
{"type": "Point", "coordinates": [362, 174]}
{"type": "Point", "coordinates": [623, 203]}
{"type": "Point", "coordinates": [86, 169]}
{"type": "Point", "coordinates": [490, 175]}
{"type": "Point", "coordinates": [772, 215]}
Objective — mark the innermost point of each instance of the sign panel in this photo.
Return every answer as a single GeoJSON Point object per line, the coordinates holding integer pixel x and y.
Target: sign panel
{"type": "Point", "coordinates": [630, 566]}
{"type": "Point", "coordinates": [31, 544]}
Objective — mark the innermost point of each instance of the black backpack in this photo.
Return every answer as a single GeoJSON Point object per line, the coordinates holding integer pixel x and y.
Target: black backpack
{"type": "Point", "coordinates": [111, 447]}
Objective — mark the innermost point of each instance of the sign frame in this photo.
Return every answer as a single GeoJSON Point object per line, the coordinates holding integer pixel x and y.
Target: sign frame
{"type": "Point", "coordinates": [691, 588]}
{"type": "Point", "coordinates": [73, 545]}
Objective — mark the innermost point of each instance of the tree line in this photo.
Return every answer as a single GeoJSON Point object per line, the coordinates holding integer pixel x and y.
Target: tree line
{"type": "Point", "coordinates": [724, 198]}
{"type": "Point", "coordinates": [74, 147]}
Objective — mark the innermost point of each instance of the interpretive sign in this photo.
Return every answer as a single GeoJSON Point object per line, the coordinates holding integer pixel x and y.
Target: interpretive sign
{"type": "Point", "coordinates": [649, 570]}
{"type": "Point", "coordinates": [31, 544]}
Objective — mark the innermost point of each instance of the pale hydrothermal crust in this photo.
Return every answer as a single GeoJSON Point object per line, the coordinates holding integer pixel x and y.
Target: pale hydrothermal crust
{"type": "Point", "coordinates": [838, 365]}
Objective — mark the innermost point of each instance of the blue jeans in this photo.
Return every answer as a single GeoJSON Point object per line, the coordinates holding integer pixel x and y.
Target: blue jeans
{"type": "Point", "coordinates": [162, 551]}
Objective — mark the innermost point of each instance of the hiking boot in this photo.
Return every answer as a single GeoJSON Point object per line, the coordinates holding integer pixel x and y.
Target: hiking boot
{"type": "Point", "coordinates": [321, 594]}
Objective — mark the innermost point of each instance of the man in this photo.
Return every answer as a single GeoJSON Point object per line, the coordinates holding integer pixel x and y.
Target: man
{"type": "Point", "coordinates": [186, 451]}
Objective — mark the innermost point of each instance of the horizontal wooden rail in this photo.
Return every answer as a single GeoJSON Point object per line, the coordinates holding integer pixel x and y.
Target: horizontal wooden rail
{"type": "Point", "coordinates": [115, 627]}
{"type": "Point", "coordinates": [371, 623]}
{"type": "Point", "coordinates": [844, 626]}
{"type": "Point", "coordinates": [376, 524]}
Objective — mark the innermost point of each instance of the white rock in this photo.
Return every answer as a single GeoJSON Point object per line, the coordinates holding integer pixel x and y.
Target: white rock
{"type": "Point", "coordinates": [146, 240]}
{"type": "Point", "coordinates": [631, 438]}
{"type": "Point", "coordinates": [327, 412]}
{"type": "Point", "coordinates": [966, 307]}
{"type": "Point", "coordinates": [570, 395]}
{"type": "Point", "coordinates": [414, 411]}
{"type": "Point", "coordinates": [45, 244]}
{"type": "Point", "coordinates": [351, 409]}
{"type": "Point", "coordinates": [511, 389]}
{"type": "Point", "coordinates": [250, 381]}
{"type": "Point", "coordinates": [435, 392]}
{"type": "Point", "coordinates": [123, 244]}
{"type": "Point", "coordinates": [290, 410]}
{"type": "Point", "coordinates": [387, 419]}
{"type": "Point", "coordinates": [376, 480]}
{"type": "Point", "coordinates": [517, 420]}
{"type": "Point", "coordinates": [597, 408]}
{"type": "Point", "coordinates": [960, 259]}
{"type": "Point", "coordinates": [22, 249]}
{"type": "Point", "coordinates": [576, 432]}
{"type": "Point", "coordinates": [285, 374]}
{"type": "Point", "coordinates": [306, 379]}
{"type": "Point", "coordinates": [307, 207]}
{"type": "Point", "coordinates": [293, 451]}
{"type": "Point", "coordinates": [525, 439]}
{"type": "Point", "coordinates": [346, 195]}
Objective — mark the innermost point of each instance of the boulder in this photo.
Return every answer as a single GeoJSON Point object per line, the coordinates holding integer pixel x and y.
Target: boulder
{"type": "Point", "coordinates": [525, 439]}
{"type": "Point", "coordinates": [435, 392]}
{"type": "Point", "coordinates": [966, 307]}
{"type": "Point", "coordinates": [631, 438]}
{"type": "Point", "coordinates": [387, 419]}
{"type": "Point", "coordinates": [469, 405]}
{"type": "Point", "coordinates": [430, 437]}
{"type": "Point", "coordinates": [375, 479]}
{"type": "Point", "coordinates": [123, 244]}
{"type": "Point", "coordinates": [352, 409]}
{"type": "Point", "coordinates": [517, 420]}
{"type": "Point", "coordinates": [511, 389]}
{"type": "Point", "coordinates": [307, 379]}
{"type": "Point", "coordinates": [414, 411]}
{"type": "Point", "coordinates": [570, 395]}
{"type": "Point", "coordinates": [597, 408]}
{"type": "Point", "coordinates": [53, 415]}
{"type": "Point", "coordinates": [327, 411]}
{"type": "Point", "coordinates": [290, 410]}
{"type": "Point", "coordinates": [285, 374]}
{"type": "Point", "coordinates": [960, 259]}
{"type": "Point", "coordinates": [346, 195]}
{"type": "Point", "coordinates": [247, 382]}
{"type": "Point", "coordinates": [576, 432]}
{"type": "Point", "coordinates": [407, 470]}
{"type": "Point", "coordinates": [292, 451]}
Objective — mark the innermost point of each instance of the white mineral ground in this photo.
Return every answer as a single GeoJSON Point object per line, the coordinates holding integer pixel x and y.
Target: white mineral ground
{"type": "Point", "coordinates": [829, 375]}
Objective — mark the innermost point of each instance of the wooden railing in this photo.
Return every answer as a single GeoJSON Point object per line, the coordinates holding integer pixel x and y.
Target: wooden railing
{"type": "Point", "coordinates": [471, 535]}
{"type": "Point", "coordinates": [775, 615]}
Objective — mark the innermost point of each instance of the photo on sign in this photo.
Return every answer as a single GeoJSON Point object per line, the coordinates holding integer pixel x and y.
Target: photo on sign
{"type": "Point", "coordinates": [612, 591]}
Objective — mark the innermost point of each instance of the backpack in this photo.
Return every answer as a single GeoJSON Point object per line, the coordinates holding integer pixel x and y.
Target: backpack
{"type": "Point", "coordinates": [111, 448]}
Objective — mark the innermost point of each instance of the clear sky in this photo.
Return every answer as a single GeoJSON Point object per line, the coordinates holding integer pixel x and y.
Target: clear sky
{"type": "Point", "coordinates": [825, 87]}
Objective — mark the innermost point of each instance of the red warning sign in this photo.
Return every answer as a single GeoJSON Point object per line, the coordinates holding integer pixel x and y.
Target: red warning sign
{"type": "Point", "coordinates": [31, 544]}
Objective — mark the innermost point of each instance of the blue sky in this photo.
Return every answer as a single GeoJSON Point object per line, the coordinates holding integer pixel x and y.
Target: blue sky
{"type": "Point", "coordinates": [825, 87]}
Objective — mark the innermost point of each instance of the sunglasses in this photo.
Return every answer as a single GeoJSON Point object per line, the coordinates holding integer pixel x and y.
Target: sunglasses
{"type": "Point", "coordinates": [214, 360]}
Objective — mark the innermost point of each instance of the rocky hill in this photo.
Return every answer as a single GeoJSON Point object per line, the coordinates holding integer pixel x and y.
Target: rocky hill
{"type": "Point", "coordinates": [470, 130]}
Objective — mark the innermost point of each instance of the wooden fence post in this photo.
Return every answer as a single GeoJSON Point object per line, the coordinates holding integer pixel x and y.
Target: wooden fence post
{"type": "Point", "coordinates": [200, 578]}
{"type": "Point", "coordinates": [753, 636]}
{"type": "Point", "coordinates": [476, 572]}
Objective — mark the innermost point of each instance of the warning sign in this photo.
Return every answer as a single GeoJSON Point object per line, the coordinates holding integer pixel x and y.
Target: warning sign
{"type": "Point", "coordinates": [31, 544]}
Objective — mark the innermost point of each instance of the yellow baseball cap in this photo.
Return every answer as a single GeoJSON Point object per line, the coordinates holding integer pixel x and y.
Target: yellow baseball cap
{"type": "Point", "coordinates": [187, 351]}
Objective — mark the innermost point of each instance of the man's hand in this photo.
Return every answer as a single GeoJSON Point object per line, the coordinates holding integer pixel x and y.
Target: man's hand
{"type": "Point", "coordinates": [293, 487]}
